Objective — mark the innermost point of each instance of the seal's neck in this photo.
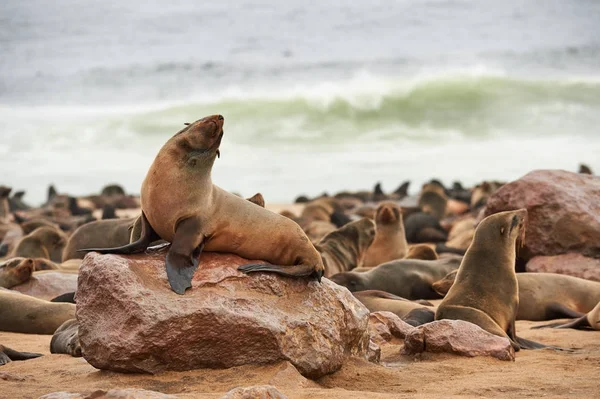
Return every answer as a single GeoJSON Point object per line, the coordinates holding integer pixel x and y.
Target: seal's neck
{"type": "Point", "coordinates": [4, 210]}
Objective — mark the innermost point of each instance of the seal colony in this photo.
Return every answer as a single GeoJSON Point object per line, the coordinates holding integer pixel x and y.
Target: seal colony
{"type": "Point", "coordinates": [181, 205]}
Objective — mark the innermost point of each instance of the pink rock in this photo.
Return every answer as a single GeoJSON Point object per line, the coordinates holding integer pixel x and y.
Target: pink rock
{"type": "Point", "coordinates": [383, 326]}
{"type": "Point", "coordinates": [458, 337]}
{"type": "Point", "coordinates": [131, 320]}
{"type": "Point", "coordinates": [563, 211]}
{"type": "Point", "coordinates": [572, 264]}
{"type": "Point", "coordinates": [130, 393]}
{"type": "Point", "coordinates": [256, 392]}
{"type": "Point", "coordinates": [48, 284]}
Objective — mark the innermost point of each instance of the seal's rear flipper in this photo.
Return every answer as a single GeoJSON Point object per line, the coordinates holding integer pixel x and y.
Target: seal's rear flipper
{"type": "Point", "coordinates": [147, 236]}
{"type": "Point", "coordinates": [527, 344]}
{"type": "Point", "coordinates": [182, 258]}
{"type": "Point", "coordinates": [16, 355]}
{"type": "Point", "coordinates": [581, 323]}
{"type": "Point", "coordinates": [290, 271]}
{"type": "Point", "coordinates": [69, 297]}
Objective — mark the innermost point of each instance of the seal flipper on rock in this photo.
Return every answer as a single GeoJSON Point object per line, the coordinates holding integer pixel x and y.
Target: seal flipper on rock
{"type": "Point", "coordinates": [7, 355]}
{"type": "Point", "coordinates": [291, 271]}
{"type": "Point", "coordinates": [182, 258]}
{"type": "Point", "coordinates": [147, 236]}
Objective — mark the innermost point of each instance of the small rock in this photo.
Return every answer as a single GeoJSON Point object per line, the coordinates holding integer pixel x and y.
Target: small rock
{"type": "Point", "coordinates": [131, 321]}
{"type": "Point", "coordinates": [572, 264]}
{"type": "Point", "coordinates": [458, 337]}
{"type": "Point", "coordinates": [256, 392]}
{"type": "Point", "coordinates": [62, 395]}
{"type": "Point", "coordinates": [563, 211]}
{"type": "Point", "coordinates": [11, 377]}
{"type": "Point", "coordinates": [383, 326]}
{"type": "Point", "coordinates": [373, 353]}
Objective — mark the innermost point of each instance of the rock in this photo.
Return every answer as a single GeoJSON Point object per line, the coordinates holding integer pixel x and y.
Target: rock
{"type": "Point", "coordinates": [384, 326]}
{"type": "Point", "coordinates": [11, 377]}
{"type": "Point", "coordinates": [256, 392]}
{"type": "Point", "coordinates": [48, 284]}
{"type": "Point", "coordinates": [458, 337]}
{"type": "Point", "coordinates": [130, 393]}
{"type": "Point", "coordinates": [131, 321]}
{"type": "Point", "coordinates": [575, 265]}
{"type": "Point", "coordinates": [373, 352]}
{"type": "Point", "coordinates": [563, 212]}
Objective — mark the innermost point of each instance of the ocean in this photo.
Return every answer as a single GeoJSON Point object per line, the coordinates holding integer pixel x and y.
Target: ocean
{"type": "Point", "coordinates": [318, 96]}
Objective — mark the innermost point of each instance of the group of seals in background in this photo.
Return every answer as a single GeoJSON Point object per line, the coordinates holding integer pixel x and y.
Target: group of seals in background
{"type": "Point", "coordinates": [393, 251]}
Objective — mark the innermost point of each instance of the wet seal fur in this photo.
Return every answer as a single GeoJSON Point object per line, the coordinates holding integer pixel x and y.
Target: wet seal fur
{"type": "Point", "coordinates": [181, 205]}
{"type": "Point", "coordinates": [485, 292]}
{"type": "Point", "coordinates": [390, 238]}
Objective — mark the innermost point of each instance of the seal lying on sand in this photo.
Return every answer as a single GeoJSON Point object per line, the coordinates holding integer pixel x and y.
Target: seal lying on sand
{"type": "Point", "coordinates": [546, 296]}
{"type": "Point", "coordinates": [44, 242]}
{"type": "Point", "coordinates": [407, 278]}
{"type": "Point", "coordinates": [344, 249]}
{"type": "Point", "coordinates": [8, 355]}
{"type": "Point", "coordinates": [66, 339]}
{"type": "Point", "coordinates": [587, 321]}
{"type": "Point", "coordinates": [181, 205]}
{"type": "Point", "coordinates": [485, 291]}
{"type": "Point", "coordinates": [15, 271]}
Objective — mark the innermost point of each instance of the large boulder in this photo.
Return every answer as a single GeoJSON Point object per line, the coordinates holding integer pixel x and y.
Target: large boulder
{"type": "Point", "coordinates": [458, 337]}
{"type": "Point", "coordinates": [131, 321]}
{"type": "Point", "coordinates": [563, 211]}
{"type": "Point", "coordinates": [575, 265]}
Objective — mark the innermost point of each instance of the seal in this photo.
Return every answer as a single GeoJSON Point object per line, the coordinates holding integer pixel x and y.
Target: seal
{"type": "Point", "coordinates": [318, 229]}
{"type": "Point", "coordinates": [25, 314]}
{"type": "Point", "coordinates": [390, 238]}
{"type": "Point", "coordinates": [591, 320]}
{"type": "Point", "coordinates": [485, 292]}
{"type": "Point", "coordinates": [344, 249]}
{"type": "Point", "coordinates": [421, 227]}
{"type": "Point", "coordinates": [101, 233]}
{"type": "Point", "coordinates": [546, 296]}
{"type": "Point", "coordinates": [378, 301]}
{"type": "Point", "coordinates": [181, 205]}
{"type": "Point", "coordinates": [43, 242]}
{"type": "Point", "coordinates": [433, 199]}
{"type": "Point", "coordinates": [407, 278]}
{"type": "Point", "coordinates": [7, 355]}
{"type": "Point", "coordinates": [422, 251]}
{"type": "Point", "coordinates": [4, 204]}
{"type": "Point", "coordinates": [15, 271]}
{"type": "Point", "coordinates": [66, 339]}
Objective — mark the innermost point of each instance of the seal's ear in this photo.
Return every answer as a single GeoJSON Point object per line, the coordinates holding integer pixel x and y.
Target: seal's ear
{"type": "Point", "coordinates": [187, 123]}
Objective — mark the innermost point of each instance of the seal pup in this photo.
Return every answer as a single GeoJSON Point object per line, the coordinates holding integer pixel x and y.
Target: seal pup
{"type": "Point", "coordinates": [66, 339]}
{"type": "Point", "coordinates": [7, 355]}
{"type": "Point", "coordinates": [344, 249]}
{"type": "Point", "coordinates": [25, 314]}
{"type": "Point", "coordinates": [485, 292]}
{"type": "Point", "coordinates": [390, 239]}
{"type": "Point", "coordinates": [406, 278]}
{"type": "Point", "coordinates": [181, 205]}
{"type": "Point", "coordinates": [43, 242]}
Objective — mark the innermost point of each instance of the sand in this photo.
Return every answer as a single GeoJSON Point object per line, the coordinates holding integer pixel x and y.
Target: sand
{"type": "Point", "coordinates": [540, 373]}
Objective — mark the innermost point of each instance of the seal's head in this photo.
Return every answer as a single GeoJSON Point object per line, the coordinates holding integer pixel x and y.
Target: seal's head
{"type": "Point", "coordinates": [443, 286]}
{"type": "Point", "coordinates": [353, 281]}
{"type": "Point", "coordinates": [5, 191]}
{"type": "Point", "coordinates": [202, 138]}
{"type": "Point", "coordinates": [501, 229]}
{"type": "Point", "coordinates": [388, 213]}
{"type": "Point", "coordinates": [15, 271]}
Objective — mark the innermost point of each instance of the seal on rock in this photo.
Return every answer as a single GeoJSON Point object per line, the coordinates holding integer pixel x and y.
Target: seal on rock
{"type": "Point", "coordinates": [181, 205]}
{"type": "Point", "coordinates": [390, 238]}
{"type": "Point", "coordinates": [485, 292]}
{"type": "Point", "coordinates": [344, 249]}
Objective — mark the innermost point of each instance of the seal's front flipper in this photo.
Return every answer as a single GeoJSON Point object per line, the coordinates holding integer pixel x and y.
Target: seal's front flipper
{"type": "Point", "coordinates": [147, 236]}
{"type": "Point", "coordinates": [182, 258]}
{"type": "Point", "coordinates": [291, 271]}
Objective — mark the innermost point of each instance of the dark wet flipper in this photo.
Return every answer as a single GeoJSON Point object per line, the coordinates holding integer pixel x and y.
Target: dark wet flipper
{"type": "Point", "coordinates": [147, 236]}
{"type": "Point", "coordinates": [582, 323]}
{"type": "Point", "coordinates": [182, 258]}
{"type": "Point", "coordinates": [69, 297]}
{"type": "Point", "coordinates": [528, 344]}
{"type": "Point", "coordinates": [290, 271]}
{"type": "Point", "coordinates": [16, 355]}
{"type": "Point", "coordinates": [417, 317]}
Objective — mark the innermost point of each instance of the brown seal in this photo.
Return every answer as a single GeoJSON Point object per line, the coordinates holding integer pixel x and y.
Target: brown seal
{"type": "Point", "coordinates": [485, 292]}
{"type": "Point", "coordinates": [43, 242]}
{"type": "Point", "coordinates": [546, 296]}
{"type": "Point", "coordinates": [25, 314]}
{"type": "Point", "coordinates": [407, 278]}
{"type": "Point", "coordinates": [422, 251]}
{"type": "Point", "coordinates": [7, 355]}
{"type": "Point", "coordinates": [318, 229]}
{"type": "Point", "coordinates": [15, 271]}
{"type": "Point", "coordinates": [591, 320]}
{"type": "Point", "coordinates": [66, 339]}
{"type": "Point", "coordinates": [378, 301]}
{"type": "Point", "coordinates": [433, 200]}
{"type": "Point", "coordinates": [344, 249]}
{"type": "Point", "coordinates": [4, 204]}
{"type": "Point", "coordinates": [101, 233]}
{"type": "Point", "coordinates": [181, 205]}
{"type": "Point", "coordinates": [390, 238]}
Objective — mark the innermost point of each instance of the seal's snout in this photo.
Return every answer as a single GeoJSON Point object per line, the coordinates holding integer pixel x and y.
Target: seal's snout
{"type": "Point", "coordinates": [220, 117]}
